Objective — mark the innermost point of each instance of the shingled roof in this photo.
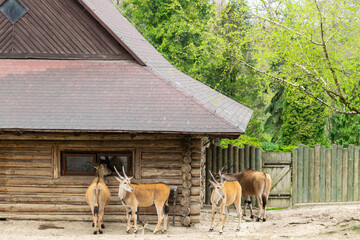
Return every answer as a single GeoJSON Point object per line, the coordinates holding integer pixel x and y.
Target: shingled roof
{"type": "Point", "coordinates": [149, 95]}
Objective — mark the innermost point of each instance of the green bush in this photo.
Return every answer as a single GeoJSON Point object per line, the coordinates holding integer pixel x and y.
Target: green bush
{"type": "Point", "coordinates": [273, 147]}
{"type": "Point", "coordinates": [240, 141]}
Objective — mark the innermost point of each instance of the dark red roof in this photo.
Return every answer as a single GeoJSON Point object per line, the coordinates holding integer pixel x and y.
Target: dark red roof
{"type": "Point", "coordinates": [98, 96]}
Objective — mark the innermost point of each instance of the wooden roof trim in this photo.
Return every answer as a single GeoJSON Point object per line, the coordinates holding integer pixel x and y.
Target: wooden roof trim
{"type": "Point", "coordinates": [114, 35]}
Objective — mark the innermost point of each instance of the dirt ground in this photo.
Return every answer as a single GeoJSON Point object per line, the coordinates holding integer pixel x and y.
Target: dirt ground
{"type": "Point", "coordinates": [305, 222]}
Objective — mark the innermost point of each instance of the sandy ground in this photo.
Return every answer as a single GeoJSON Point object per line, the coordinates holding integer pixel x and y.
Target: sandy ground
{"type": "Point", "coordinates": [309, 222]}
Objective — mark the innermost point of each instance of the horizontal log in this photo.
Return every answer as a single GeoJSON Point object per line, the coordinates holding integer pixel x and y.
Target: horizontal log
{"type": "Point", "coordinates": [185, 168]}
{"type": "Point", "coordinates": [26, 172]}
{"type": "Point", "coordinates": [161, 156]}
{"type": "Point", "coordinates": [195, 172]}
{"type": "Point", "coordinates": [155, 173]}
{"type": "Point", "coordinates": [19, 156]}
{"type": "Point", "coordinates": [22, 164]}
{"type": "Point", "coordinates": [195, 209]}
{"type": "Point", "coordinates": [161, 164]}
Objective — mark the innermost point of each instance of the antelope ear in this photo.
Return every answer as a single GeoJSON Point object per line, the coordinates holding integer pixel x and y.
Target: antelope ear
{"type": "Point", "coordinates": [117, 179]}
{"type": "Point", "coordinates": [130, 178]}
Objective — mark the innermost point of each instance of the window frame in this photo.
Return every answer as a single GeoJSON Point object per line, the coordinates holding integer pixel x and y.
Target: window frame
{"type": "Point", "coordinates": [96, 159]}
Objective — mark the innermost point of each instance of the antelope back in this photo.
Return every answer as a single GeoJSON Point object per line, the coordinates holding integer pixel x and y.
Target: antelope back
{"type": "Point", "coordinates": [148, 194]}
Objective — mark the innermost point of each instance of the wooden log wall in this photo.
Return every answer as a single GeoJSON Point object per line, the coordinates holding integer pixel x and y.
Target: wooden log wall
{"type": "Point", "coordinates": [32, 187]}
{"type": "Point", "coordinates": [323, 174]}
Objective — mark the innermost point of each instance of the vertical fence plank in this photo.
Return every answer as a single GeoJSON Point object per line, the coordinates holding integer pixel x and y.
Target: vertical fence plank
{"type": "Point", "coordinates": [334, 174]}
{"type": "Point", "coordinates": [317, 173]}
{"type": "Point", "coordinates": [252, 157]}
{"type": "Point", "coordinates": [328, 175]}
{"type": "Point", "coordinates": [344, 171]}
{"type": "Point", "coordinates": [219, 157]}
{"type": "Point", "coordinates": [351, 173]}
{"type": "Point", "coordinates": [306, 174]}
{"type": "Point", "coordinates": [322, 174]}
{"type": "Point", "coordinates": [236, 159]}
{"type": "Point", "coordinates": [230, 161]}
{"type": "Point", "coordinates": [311, 175]}
{"type": "Point", "coordinates": [295, 175]}
{"type": "Point", "coordinates": [339, 174]}
{"type": "Point", "coordinates": [214, 159]}
{"type": "Point", "coordinates": [258, 160]}
{"type": "Point", "coordinates": [207, 174]}
{"type": "Point", "coordinates": [300, 169]}
{"type": "Point", "coordinates": [356, 173]}
{"type": "Point", "coordinates": [247, 155]}
{"type": "Point", "coordinates": [242, 159]}
{"type": "Point", "coordinates": [224, 158]}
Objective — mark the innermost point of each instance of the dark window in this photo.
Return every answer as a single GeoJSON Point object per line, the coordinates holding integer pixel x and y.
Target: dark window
{"type": "Point", "coordinates": [12, 9]}
{"type": "Point", "coordinates": [80, 163]}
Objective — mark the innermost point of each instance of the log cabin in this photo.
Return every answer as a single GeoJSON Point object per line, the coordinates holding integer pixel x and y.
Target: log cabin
{"type": "Point", "coordinates": [79, 84]}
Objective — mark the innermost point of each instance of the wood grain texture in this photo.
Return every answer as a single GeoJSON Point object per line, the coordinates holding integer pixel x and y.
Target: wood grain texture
{"type": "Point", "coordinates": [57, 29]}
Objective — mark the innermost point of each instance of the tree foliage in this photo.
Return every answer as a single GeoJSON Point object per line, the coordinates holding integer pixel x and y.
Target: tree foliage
{"type": "Point", "coordinates": [313, 40]}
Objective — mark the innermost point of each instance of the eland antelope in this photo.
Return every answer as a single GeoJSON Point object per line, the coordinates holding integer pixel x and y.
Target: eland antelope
{"type": "Point", "coordinates": [143, 195]}
{"type": "Point", "coordinates": [97, 196]}
{"type": "Point", "coordinates": [223, 195]}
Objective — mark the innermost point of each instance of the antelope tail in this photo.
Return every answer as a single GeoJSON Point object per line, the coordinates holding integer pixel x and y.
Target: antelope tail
{"type": "Point", "coordinates": [166, 206]}
{"type": "Point", "coordinates": [97, 194]}
{"type": "Point", "coordinates": [264, 193]}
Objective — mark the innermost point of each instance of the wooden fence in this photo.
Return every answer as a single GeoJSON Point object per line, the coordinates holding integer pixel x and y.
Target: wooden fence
{"type": "Point", "coordinates": [276, 164]}
{"type": "Point", "coordinates": [238, 158]}
{"type": "Point", "coordinates": [325, 174]}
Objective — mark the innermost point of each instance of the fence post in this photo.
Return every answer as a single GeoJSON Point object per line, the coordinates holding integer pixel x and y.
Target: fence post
{"type": "Point", "coordinates": [322, 173]}
{"type": "Point", "coordinates": [214, 158]}
{"type": "Point", "coordinates": [230, 162]}
{"type": "Point", "coordinates": [344, 171]}
{"type": "Point", "coordinates": [334, 174]}
{"type": "Point", "coordinates": [295, 175]}
{"type": "Point", "coordinates": [351, 173]}
{"type": "Point", "coordinates": [207, 174]}
{"type": "Point", "coordinates": [339, 173]}
{"type": "Point", "coordinates": [219, 157]}
{"type": "Point", "coordinates": [258, 160]}
{"type": "Point", "coordinates": [236, 159]}
{"type": "Point", "coordinates": [306, 174]}
{"type": "Point", "coordinates": [247, 155]}
{"type": "Point", "coordinates": [317, 173]}
{"type": "Point", "coordinates": [224, 159]}
{"type": "Point", "coordinates": [311, 166]}
{"type": "Point", "coordinates": [242, 159]}
{"type": "Point", "coordinates": [300, 168]}
{"type": "Point", "coordinates": [328, 175]}
{"type": "Point", "coordinates": [356, 173]}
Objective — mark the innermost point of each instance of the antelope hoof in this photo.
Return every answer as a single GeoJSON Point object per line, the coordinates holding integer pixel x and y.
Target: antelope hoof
{"type": "Point", "coordinates": [93, 225]}
{"type": "Point", "coordinates": [252, 216]}
{"type": "Point", "coordinates": [211, 229]}
{"type": "Point", "coordinates": [135, 231]}
{"type": "Point", "coordinates": [258, 219]}
{"type": "Point", "coordinates": [95, 232]}
{"type": "Point", "coordinates": [100, 231]}
{"type": "Point", "coordinates": [102, 226]}
{"type": "Point", "coordinates": [128, 231]}
{"type": "Point", "coordinates": [264, 219]}
{"type": "Point", "coordinates": [238, 229]}
{"type": "Point", "coordinates": [220, 232]}
{"type": "Point", "coordinates": [163, 231]}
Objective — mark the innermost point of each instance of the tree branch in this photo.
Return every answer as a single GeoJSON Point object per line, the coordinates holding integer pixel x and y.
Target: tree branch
{"type": "Point", "coordinates": [302, 88]}
{"type": "Point", "coordinates": [287, 28]}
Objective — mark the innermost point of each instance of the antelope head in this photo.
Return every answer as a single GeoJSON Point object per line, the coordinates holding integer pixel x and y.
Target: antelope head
{"type": "Point", "coordinates": [124, 181]}
{"type": "Point", "coordinates": [218, 188]}
{"type": "Point", "coordinates": [101, 170]}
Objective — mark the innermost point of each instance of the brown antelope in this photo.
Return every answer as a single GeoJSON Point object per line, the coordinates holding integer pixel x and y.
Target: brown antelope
{"type": "Point", "coordinates": [143, 195]}
{"type": "Point", "coordinates": [97, 196]}
{"type": "Point", "coordinates": [223, 195]}
{"type": "Point", "coordinates": [253, 183]}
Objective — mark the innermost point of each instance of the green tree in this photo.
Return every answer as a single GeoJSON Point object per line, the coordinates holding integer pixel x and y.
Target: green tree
{"type": "Point", "coordinates": [304, 119]}
{"type": "Point", "coordinates": [345, 129]}
{"type": "Point", "coordinates": [315, 40]}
